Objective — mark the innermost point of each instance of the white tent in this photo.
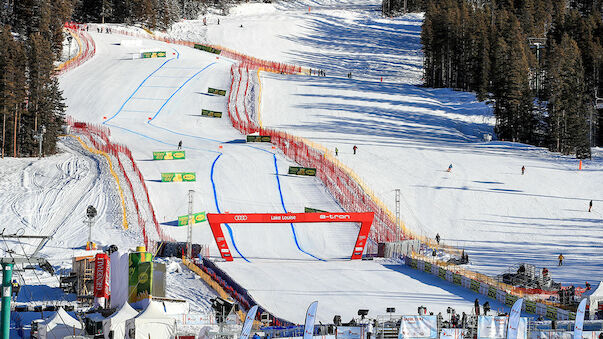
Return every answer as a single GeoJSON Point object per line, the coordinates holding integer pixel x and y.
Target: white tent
{"type": "Point", "coordinates": [153, 322]}
{"type": "Point", "coordinates": [117, 321]}
{"type": "Point", "coordinates": [119, 278]}
{"type": "Point", "coordinates": [595, 298]}
{"type": "Point", "coordinates": [59, 326]}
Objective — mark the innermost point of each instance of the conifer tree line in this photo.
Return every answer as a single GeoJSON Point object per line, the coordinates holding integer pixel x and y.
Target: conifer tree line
{"type": "Point", "coordinates": [540, 62]}
{"type": "Point", "coordinates": [31, 38]}
{"type": "Point", "coordinates": [153, 14]}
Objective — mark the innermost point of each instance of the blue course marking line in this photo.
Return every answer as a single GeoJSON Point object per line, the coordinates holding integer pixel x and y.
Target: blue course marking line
{"type": "Point", "coordinates": [136, 90]}
{"type": "Point", "coordinates": [213, 185]}
{"type": "Point", "coordinates": [278, 182]}
{"type": "Point", "coordinates": [178, 90]}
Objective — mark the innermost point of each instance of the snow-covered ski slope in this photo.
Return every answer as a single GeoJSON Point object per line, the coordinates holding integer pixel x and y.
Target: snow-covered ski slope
{"type": "Point", "coordinates": [406, 135]}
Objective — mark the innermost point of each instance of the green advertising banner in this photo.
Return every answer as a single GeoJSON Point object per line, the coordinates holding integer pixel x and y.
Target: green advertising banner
{"type": "Point", "coordinates": [169, 155]}
{"type": "Point", "coordinates": [207, 49]}
{"type": "Point", "coordinates": [140, 276]}
{"type": "Point", "coordinates": [259, 138]}
{"type": "Point", "coordinates": [492, 292]}
{"type": "Point", "coordinates": [313, 210]}
{"type": "Point", "coordinates": [456, 278]}
{"type": "Point", "coordinates": [474, 286]}
{"type": "Point", "coordinates": [530, 306]}
{"type": "Point", "coordinates": [216, 91]}
{"type": "Point", "coordinates": [442, 273]}
{"type": "Point", "coordinates": [149, 55]}
{"type": "Point", "coordinates": [197, 217]}
{"type": "Point", "coordinates": [413, 263]}
{"type": "Point", "coordinates": [208, 113]}
{"type": "Point", "coordinates": [178, 177]}
{"type": "Point", "coordinates": [427, 267]}
{"type": "Point", "coordinates": [510, 299]}
{"type": "Point", "coordinates": [551, 312]}
{"type": "Point", "coordinates": [302, 170]}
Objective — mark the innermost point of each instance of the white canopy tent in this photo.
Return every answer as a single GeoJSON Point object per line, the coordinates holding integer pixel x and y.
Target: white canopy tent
{"type": "Point", "coordinates": [117, 321]}
{"type": "Point", "coordinates": [60, 325]}
{"type": "Point", "coordinates": [595, 298]}
{"type": "Point", "coordinates": [153, 322]}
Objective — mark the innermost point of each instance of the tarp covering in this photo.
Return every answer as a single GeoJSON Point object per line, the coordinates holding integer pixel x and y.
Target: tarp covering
{"type": "Point", "coordinates": [595, 298]}
{"type": "Point", "coordinates": [60, 325]}
{"type": "Point", "coordinates": [153, 322]}
{"type": "Point", "coordinates": [117, 321]}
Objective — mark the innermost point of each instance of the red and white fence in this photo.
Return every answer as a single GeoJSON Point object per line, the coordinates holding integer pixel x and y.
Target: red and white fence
{"type": "Point", "coordinates": [87, 47]}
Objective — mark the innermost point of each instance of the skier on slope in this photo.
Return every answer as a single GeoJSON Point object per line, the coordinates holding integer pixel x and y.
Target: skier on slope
{"type": "Point", "coordinates": [560, 257]}
{"type": "Point", "coordinates": [523, 169]}
{"type": "Point", "coordinates": [449, 168]}
{"type": "Point", "coordinates": [355, 148]}
{"type": "Point", "coordinates": [180, 144]}
{"type": "Point", "coordinates": [437, 238]}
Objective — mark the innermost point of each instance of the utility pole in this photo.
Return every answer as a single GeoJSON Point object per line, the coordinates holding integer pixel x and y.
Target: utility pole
{"type": "Point", "coordinates": [189, 239]}
{"type": "Point", "coordinates": [90, 213]}
{"type": "Point", "coordinates": [538, 43]}
{"type": "Point", "coordinates": [398, 214]}
{"type": "Point", "coordinates": [40, 138]}
{"type": "Point", "coordinates": [7, 293]}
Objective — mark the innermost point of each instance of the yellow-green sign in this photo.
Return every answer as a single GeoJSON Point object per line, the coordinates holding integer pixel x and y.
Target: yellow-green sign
{"type": "Point", "coordinates": [456, 278]}
{"type": "Point", "coordinates": [530, 306]}
{"type": "Point", "coordinates": [259, 138]}
{"type": "Point", "coordinates": [197, 217]}
{"type": "Point", "coordinates": [302, 170]}
{"type": "Point", "coordinates": [427, 267]}
{"type": "Point", "coordinates": [510, 299]}
{"type": "Point", "coordinates": [413, 263]}
{"type": "Point", "coordinates": [149, 55]}
{"type": "Point", "coordinates": [178, 176]}
{"type": "Point", "coordinates": [313, 210]}
{"type": "Point", "coordinates": [492, 292]}
{"type": "Point", "coordinates": [208, 113]}
{"type": "Point", "coordinates": [216, 91]}
{"type": "Point", "coordinates": [140, 277]}
{"type": "Point", "coordinates": [551, 312]}
{"type": "Point", "coordinates": [207, 49]}
{"type": "Point", "coordinates": [474, 285]}
{"type": "Point", "coordinates": [169, 155]}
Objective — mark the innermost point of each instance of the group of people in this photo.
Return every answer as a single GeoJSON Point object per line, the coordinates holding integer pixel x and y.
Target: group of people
{"type": "Point", "coordinates": [318, 72]}
{"type": "Point", "coordinates": [100, 29]}
{"type": "Point", "coordinates": [353, 150]}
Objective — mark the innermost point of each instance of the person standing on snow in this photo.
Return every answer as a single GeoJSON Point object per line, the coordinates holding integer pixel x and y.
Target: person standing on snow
{"type": "Point", "coordinates": [180, 144]}
{"type": "Point", "coordinates": [590, 205]}
{"type": "Point", "coordinates": [560, 257]}
{"type": "Point", "coordinates": [523, 170]}
{"type": "Point", "coordinates": [336, 151]}
{"type": "Point", "coordinates": [354, 148]}
{"type": "Point", "coordinates": [369, 330]}
{"type": "Point", "coordinates": [437, 237]}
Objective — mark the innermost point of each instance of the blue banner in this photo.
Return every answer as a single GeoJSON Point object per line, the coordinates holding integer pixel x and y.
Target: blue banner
{"type": "Point", "coordinates": [514, 318]}
{"type": "Point", "coordinates": [246, 330]}
{"type": "Point", "coordinates": [579, 320]}
{"type": "Point", "coordinates": [310, 318]}
{"type": "Point", "coordinates": [418, 326]}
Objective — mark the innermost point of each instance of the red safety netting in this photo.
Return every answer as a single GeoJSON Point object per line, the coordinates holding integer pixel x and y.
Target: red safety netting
{"type": "Point", "coordinates": [99, 138]}
{"type": "Point", "coordinates": [86, 44]}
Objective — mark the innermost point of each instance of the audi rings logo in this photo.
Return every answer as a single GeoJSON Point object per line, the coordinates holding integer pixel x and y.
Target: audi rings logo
{"type": "Point", "coordinates": [240, 217]}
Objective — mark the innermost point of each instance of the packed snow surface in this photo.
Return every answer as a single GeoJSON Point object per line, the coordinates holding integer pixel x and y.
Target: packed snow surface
{"type": "Point", "coordinates": [406, 137]}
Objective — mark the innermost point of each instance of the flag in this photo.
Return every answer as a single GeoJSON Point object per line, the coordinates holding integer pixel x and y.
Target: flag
{"type": "Point", "coordinates": [246, 330]}
{"type": "Point", "coordinates": [310, 317]}
{"type": "Point", "coordinates": [514, 319]}
{"type": "Point", "coordinates": [579, 320]}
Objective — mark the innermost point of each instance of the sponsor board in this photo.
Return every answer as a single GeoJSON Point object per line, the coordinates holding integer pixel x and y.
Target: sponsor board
{"type": "Point", "coordinates": [101, 275]}
{"type": "Point", "coordinates": [492, 292]}
{"type": "Point", "coordinates": [530, 306]}
{"type": "Point", "coordinates": [427, 267]}
{"type": "Point", "coordinates": [413, 263]}
{"type": "Point", "coordinates": [441, 273]}
{"type": "Point", "coordinates": [551, 312]}
{"type": "Point", "coordinates": [178, 176]}
{"type": "Point", "coordinates": [259, 138]}
{"type": "Point", "coordinates": [207, 49]}
{"type": "Point", "coordinates": [140, 277]}
{"type": "Point", "coordinates": [216, 91]}
{"type": "Point", "coordinates": [418, 326]}
{"type": "Point", "coordinates": [349, 332]}
{"type": "Point", "coordinates": [510, 299]}
{"type": "Point", "coordinates": [491, 327]}
{"type": "Point", "coordinates": [213, 114]}
{"type": "Point", "coordinates": [197, 217]}
{"type": "Point", "coordinates": [313, 210]}
{"type": "Point", "coordinates": [474, 286]}
{"type": "Point", "coordinates": [456, 278]}
{"type": "Point", "coordinates": [169, 155]}
{"type": "Point", "coordinates": [302, 170]}
{"type": "Point", "coordinates": [150, 55]}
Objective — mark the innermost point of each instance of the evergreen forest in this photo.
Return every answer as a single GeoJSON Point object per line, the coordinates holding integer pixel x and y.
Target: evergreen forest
{"type": "Point", "coordinates": [538, 62]}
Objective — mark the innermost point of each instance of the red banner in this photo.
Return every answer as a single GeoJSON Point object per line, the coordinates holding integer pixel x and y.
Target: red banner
{"type": "Point", "coordinates": [215, 220]}
{"type": "Point", "coordinates": [101, 275]}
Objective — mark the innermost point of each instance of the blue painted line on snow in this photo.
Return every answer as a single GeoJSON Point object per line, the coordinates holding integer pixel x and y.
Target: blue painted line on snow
{"type": "Point", "coordinates": [278, 182]}
{"type": "Point", "coordinates": [213, 185]}
{"type": "Point", "coordinates": [178, 90]}
{"type": "Point", "coordinates": [136, 90]}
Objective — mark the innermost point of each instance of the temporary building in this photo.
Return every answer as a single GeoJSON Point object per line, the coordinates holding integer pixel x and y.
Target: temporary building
{"type": "Point", "coordinates": [595, 298]}
{"type": "Point", "coordinates": [117, 321]}
{"type": "Point", "coordinates": [60, 325]}
{"type": "Point", "coordinates": [153, 322]}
